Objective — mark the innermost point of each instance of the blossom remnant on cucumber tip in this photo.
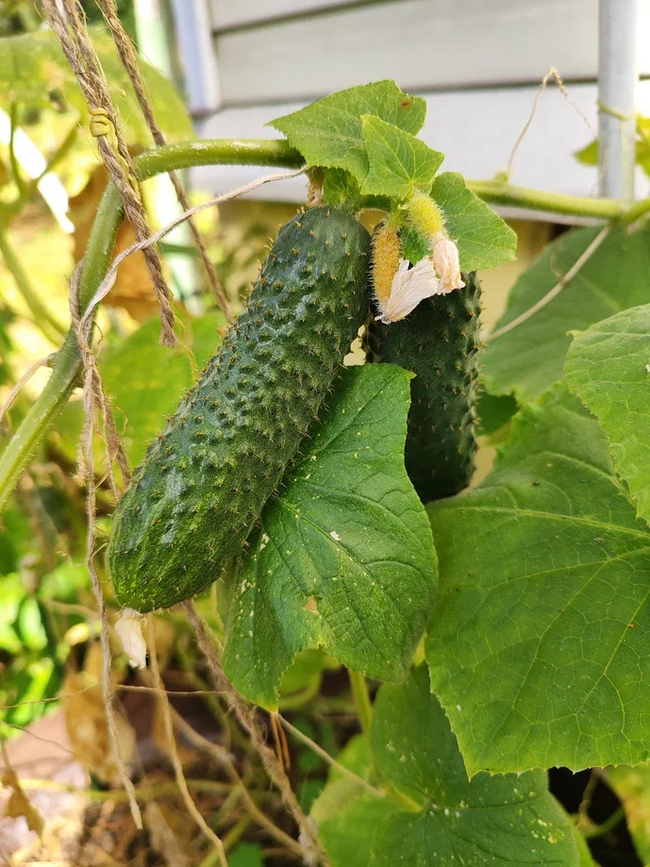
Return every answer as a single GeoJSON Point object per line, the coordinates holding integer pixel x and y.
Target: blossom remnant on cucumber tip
{"type": "Point", "coordinates": [437, 274]}
{"type": "Point", "coordinates": [399, 286]}
{"type": "Point", "coordinates": [446, 263]}
{"type": "Point", "coordinates": [409, 287]}
{"type": "Point", "coordinates": [129, 629]}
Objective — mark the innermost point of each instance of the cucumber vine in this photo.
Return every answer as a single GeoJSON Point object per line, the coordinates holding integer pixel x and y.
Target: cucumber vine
{"type": "Point", "coordinates": [335, 504]}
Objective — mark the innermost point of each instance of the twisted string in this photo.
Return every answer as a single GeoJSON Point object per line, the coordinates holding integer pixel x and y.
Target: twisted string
{"type": "Point", "coordinates": [129, 59]}
{"type": "Point", "coordinates": [69, 24]}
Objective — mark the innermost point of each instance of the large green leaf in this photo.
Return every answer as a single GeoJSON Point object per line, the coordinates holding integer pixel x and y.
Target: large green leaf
{"type": "Point", "coordinates": [530, 358]}
{"type": "Point", "coordinates": [499, 820]}
{"type": "Point", "coordinates": [399, 163]}
{"type": "Point", "coordinates": [343, 559]}
{"type": "Point", "coordinates": [329, 132]}
{"type": "Point", "coordinates": [538, 642]}
{"type": "Point", "coordinates": [483, 239]}
{"type": "Point", "coordinates": [509, 819]}
{"type": "Point", "coordinates": [494, 412]}
{"type": "Point", "coordinates": [345, 815]}
{"type": "Point", "coordinates": [608, 368]}
{"type": "Point", "coordinates": [35, 73]}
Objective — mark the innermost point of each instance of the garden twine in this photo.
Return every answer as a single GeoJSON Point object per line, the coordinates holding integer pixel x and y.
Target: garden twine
{"type": "Point", "coordinates": [130, 62]}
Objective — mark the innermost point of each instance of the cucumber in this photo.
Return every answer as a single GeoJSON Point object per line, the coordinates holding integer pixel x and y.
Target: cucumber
{"type": "Point", "coordinates": [439, 342]}
{"type": "Point", "coordinates": [205, 479]}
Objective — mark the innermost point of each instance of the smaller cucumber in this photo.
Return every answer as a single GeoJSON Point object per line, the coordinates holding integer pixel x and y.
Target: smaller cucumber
{"type": "Point", "coordinates": [439, 342]}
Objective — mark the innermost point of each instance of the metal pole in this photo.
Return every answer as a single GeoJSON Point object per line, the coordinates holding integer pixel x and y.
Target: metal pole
{"type": "Point", "coordinates": [617, 83]}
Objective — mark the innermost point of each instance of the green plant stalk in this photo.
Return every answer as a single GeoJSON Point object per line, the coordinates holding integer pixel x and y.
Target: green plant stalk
{"type": "Point", "coordinates": [43, 318]}
{"type": "Point", "coordinates": [361, 699]}
{"type": "Point", "coordinates": [502, 193]}
{"type": "Point", "coordinates": [13, 161]}
{"type": "Point", "coordinates": [66, 370]}
{"type": "Point", "coordinates": [636, 211]}
{"type": "Point", "coordinates": [608, 825]}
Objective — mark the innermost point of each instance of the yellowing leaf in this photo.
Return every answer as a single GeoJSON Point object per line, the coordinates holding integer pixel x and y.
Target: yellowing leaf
{"type": "Point", "coordinates": [20, 805]}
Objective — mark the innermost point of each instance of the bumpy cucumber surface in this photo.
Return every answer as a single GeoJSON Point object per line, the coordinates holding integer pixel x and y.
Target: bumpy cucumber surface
{"type": "Point", "coordinates": [439, 342]}
{"type": "Point", "coordinates": [204, 481]}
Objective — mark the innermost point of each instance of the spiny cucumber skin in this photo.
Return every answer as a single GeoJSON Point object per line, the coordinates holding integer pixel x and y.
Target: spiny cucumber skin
{"type": "Point", "coordinates": [204, 481]}
{"type": "Point", "coordinates": [439, 342]}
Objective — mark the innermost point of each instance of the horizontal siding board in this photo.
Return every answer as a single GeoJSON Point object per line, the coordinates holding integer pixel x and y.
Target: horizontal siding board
{"type": "Point", "coordinates": [422, 44]}
{"type": "Point", "coordinates": [475, 129]}
{"type": "Point", "coordinates": [227, 14]}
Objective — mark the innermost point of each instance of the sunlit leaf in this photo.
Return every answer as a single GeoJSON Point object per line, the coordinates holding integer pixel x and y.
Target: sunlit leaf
{"type": "Point", "coordinates": [608, 367]}
{"type": "Point", "coordinates": [538, 641]}
{"type": "Point", "coordinates": [483, 239]}
{"type": "Point", "coordinates": [530, 358]}
{"type": "Point", "coordinates": [329, 132]}
{"type": "Point", "coordinates": [35, 73]}
{"type": "Point", "coordinates": [343, 558]}
{"type": "Point", "coordinates": [399, 163]}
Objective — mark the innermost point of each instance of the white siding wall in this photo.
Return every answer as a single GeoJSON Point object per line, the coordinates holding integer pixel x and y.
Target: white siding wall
{"type": "Point", "coordinates": [478, 62]}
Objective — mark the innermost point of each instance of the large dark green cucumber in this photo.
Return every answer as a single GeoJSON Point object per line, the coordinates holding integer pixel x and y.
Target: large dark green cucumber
{"type": "Point", "coordinates": [204, 481]}
{"type": "Point", "coordinates": [439, 342]}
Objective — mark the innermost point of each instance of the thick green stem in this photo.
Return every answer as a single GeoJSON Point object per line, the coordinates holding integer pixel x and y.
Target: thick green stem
{"type": "Point", "coordinates": [38, 420]}
{"type": "Point", "coordinates": [636, 211]}
{"type": "Point", "coordinates": [46, 321]}
{"type": "Point", "coordinates": [502, 193]}
{"type": "Point", "coordinates": [361, 699]}
{"type": "Point", "coordinates": [13, 160]}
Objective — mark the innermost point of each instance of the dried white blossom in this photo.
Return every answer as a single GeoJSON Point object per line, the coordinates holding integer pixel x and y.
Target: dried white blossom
{"type": "Point", "coordinates": [446, 264]}
{"type": "Point", "coordinates": [409, 287]}
{"type": "Point", "coordinates": [129, 629]}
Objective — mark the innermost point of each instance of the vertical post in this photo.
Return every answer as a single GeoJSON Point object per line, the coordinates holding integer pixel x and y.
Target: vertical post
{"type": "Point", "coordinates": [617, 84]}
{"type": "Point", "coordinates": [153, 26]}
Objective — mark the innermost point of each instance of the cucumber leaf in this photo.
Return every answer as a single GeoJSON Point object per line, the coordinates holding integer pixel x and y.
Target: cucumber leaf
{"type": "Point", "coordinates": [483, 238]}
{"type": "Point", "coordinates": [343, 559]}
{"type": "Point", "coordinates": [399, 163]}
{"type": "Point", "coordinates": [341, 190]}
{"type": "Point", "coordinates": [435, 815]}
{"type": "Point", "coordinates": [608, 367]}
{"type": "Point", "coordinates": [246, 855]}
{"type": "Point", "coordinates": [494, 412]}
{"type": "Point", "coordinates": [538, 642]}
{"type": "Point", "coordinates": [530, 358]}
{"type": "Point", "coordinates": [329, 132]}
